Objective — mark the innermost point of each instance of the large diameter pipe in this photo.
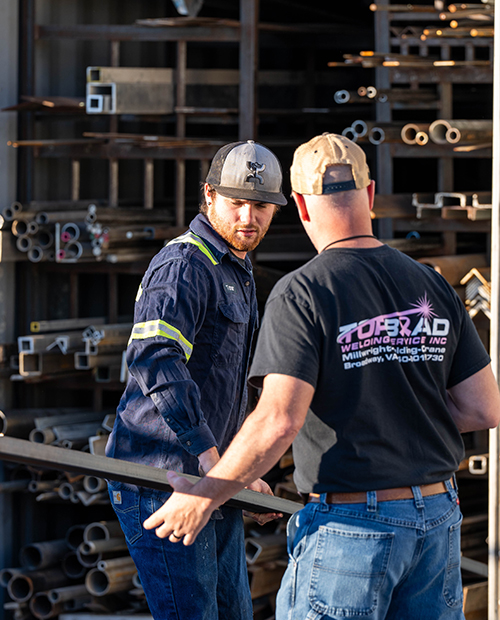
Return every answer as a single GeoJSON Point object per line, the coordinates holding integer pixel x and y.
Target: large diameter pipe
{"type": "Point", "coordinates": [72, 567]}
{"type": "Point", "coordinates": [20, 422]}
{"type": "Point", "coordinates": [101, 582]}
{"type": "Point", "coordinates": [438, 130]}
{"type": "Point", "coordinates": [42, 607]}
{"type": "Point", "coordinates": [410, 131]}
{"type": "Point", "coordinates": [40, 555]}
{"type": "Point", "coordinates": [102, 530]}
{"type": "Point", "coordinates": [22, 586]}
{"type": "Point", "coordinates": [469, 131]}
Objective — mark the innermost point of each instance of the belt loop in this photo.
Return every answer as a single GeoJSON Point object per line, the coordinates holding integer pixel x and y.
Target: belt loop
{"type": "Point", "coordinates": [452, 488]}
{"type": "Point", "coordinates": [322, 498]}
{"type": "Point", "coordinates": [417, 496]}
{"type": "Point", "coordinates": [371, 501]}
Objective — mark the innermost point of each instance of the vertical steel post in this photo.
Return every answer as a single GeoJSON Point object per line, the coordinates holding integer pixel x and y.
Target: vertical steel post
{"type": "Point", "coordinates": [180, 164]}
{"type": "Point", "coordinates": [494, 495]}
{"type": "Point", "coordinates": [249, 53]}
{"type": "Point", "coordinates": [384, 174]}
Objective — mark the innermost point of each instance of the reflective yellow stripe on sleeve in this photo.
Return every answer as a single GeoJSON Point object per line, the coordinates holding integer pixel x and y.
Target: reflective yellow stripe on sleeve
{"type": "Point", "coordinates": [151, 329]}
{"type": "Point", "coordinates": [190, 237]}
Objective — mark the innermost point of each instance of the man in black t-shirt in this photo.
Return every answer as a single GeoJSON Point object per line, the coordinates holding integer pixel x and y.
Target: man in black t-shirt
{"type": "Point", "coordinates": [370, 364]}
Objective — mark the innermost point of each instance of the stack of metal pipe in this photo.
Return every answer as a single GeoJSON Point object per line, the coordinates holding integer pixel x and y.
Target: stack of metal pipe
{"type": "Point", "coordinates": [78, 231]}
{"type": "Point", "coordinates": [472, 134]}
{"type": "Point", "coordinates": [71, 428]}
{"type": "Point", "coordinates": [371, 94]}
{"type": "Point", "coordinates": [71, 345]}
{"type": "Point", "coordinates": [88, 569]}
{"type": "Point", "coordinates": [376, 132]}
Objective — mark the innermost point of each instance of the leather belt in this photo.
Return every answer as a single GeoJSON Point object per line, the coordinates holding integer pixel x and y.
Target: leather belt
{"type": "Point", "coordinates": [383, 495]}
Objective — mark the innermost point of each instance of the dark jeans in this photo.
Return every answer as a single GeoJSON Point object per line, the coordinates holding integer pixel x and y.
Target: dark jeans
{"type": "Point", "coordinates": [204, 581]}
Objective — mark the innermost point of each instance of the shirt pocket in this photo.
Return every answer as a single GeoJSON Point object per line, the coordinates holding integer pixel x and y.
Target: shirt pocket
{"type": "Point", "coordinates": [229, 335]}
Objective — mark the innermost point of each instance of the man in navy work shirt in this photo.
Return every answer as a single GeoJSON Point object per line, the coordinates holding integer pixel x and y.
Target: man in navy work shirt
{"type": "Point", "coordinates": [186, 396]}
{"type": "Point", "coordinates": [370, 363]}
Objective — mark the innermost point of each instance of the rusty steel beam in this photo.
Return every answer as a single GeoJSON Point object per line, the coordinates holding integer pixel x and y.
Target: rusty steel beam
{"type": "Point", "coordinates": [51, 457]}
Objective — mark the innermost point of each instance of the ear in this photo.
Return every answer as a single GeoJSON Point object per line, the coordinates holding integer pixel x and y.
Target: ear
{"type": "Point", "coordinates": [371, 193]}
{"type": "Point", "coordinates": [301, 207]}
{"type": "Point", "coordinates": [208, 198]}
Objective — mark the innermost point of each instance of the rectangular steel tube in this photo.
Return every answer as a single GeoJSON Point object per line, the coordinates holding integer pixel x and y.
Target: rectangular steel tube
{"type": "Point", "coordinates": [21, 451]}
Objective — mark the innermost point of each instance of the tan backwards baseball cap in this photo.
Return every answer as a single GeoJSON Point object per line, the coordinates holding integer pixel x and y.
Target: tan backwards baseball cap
{"type": "Point", "coordinates": [247, 170]}
{"type": "Point", "coordinates": [312, 158]}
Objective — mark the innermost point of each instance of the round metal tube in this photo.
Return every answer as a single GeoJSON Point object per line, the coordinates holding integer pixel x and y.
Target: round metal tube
{"type": "Point", "coordinates": [409, 133]}
{"type": "Point", "coordinates": [101, 546]}
{"type": "Point", "coordinates": [32, 227]}
{"type": "Point", "coordinates": [6, 575]}
{"type": "Point", "coordinates": [360, 128]}
{"type": "Point", "coordinates": [9, 213]}
{"type": "Point", "coordinates": [72, 567]}
{"type": "Point", "coordinates": [44, 238]}
{"type": "Point", "coordinates": [376, 135]}
{"type": "Point", "coordinates": [93, 484]}
{"type": "Point", "coordinates": [23, 585]}
{"type": "Point", "coordinates": [102, 530]}
{"type": "Point", "coordinates": [42, 435]}
{"type": "Point", "coordinates": [40, 555]}
{"type": "Point", "coordinates": [71, 232]}
{"type": "Point", "coordinates": [89, 560]}
{"type": "Point", "coordinates": [371, 92]}
{"type": "Point", "coordinates": [437, 131]}
{"type": "Point", "coordinates": [422, 138]}
{"type": "Point", "coordinates": [35, 254]}
{"type": "Point", "coordinates": [42, 607]}
{"type": "Point", "coordinates": [60, 595]}
{"type": "Point", "coordinates": [19, 228]}
{"type": "Point", "coordinates": [348, 132]}
{"type": "Point", "coordinates": [74, 536]}
{"type": "Point", "coordinates": [24, 243]}
{"type": "Point", "coordinates": [101, 582]}
{"type": "Point", "coordinates": [341, 96]}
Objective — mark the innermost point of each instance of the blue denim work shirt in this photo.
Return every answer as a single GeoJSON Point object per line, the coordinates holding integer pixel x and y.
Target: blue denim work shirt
{"type": "Point", "coordinates": [194, 320]}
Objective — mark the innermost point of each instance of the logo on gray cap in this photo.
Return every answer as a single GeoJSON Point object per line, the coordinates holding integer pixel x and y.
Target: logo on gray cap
{"type": "Point", "coordinates": [255, 167]}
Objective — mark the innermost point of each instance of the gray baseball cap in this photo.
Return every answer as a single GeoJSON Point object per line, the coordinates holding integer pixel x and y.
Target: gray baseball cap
{"type": "Point", "coordinates": [247, 170]}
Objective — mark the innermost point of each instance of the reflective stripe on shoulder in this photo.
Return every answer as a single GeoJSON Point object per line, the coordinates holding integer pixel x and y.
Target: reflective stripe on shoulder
{"type": "Point", "coordinates": [151, 329]}
{"type": "Point", "coordinates": [139, 292]}
{"type": "Point", "coordinates": [190, 237]}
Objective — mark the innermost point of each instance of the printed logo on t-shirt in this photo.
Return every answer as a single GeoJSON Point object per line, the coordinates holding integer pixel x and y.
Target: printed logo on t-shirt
{"type": "Point", "coordinates": [414, 335]}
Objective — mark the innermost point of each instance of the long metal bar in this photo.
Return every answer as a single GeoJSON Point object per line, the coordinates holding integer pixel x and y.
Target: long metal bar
{"type": "Point", "coordinates": [21, 451]}
{"type": "Point", "coordinates": [493, 478]}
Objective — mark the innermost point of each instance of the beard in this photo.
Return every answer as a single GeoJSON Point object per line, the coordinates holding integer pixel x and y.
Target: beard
{"type": "Point", "coordinates": [229, 232]}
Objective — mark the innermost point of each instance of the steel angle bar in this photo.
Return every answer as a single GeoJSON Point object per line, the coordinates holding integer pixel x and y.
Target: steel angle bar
{"type": "Point", "coordinates": [65, 324]}
{"type": "Point", "coordinates": [20, 451]}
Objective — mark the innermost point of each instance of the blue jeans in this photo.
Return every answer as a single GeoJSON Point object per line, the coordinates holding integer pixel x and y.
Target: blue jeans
{"type": "Point", "coordinates": [204, 581]}
{"type": "Point", "coordinates": [395, 560]}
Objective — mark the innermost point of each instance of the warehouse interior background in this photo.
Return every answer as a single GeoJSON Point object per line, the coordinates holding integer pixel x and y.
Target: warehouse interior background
{"type": "Point", "coordinates": [110, 114]}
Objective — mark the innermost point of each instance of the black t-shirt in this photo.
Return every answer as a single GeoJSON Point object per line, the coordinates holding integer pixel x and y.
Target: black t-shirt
{"type": "Point", "coordinates": [380, 337]}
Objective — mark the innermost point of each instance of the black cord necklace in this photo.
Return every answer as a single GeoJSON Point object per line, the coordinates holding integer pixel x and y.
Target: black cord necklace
{"type": "Point", "coordinates": [347, 239]}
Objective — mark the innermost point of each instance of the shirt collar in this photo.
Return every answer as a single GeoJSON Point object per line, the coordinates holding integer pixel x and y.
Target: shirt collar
{"type": "Point", "coordinates": [204, 229]}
